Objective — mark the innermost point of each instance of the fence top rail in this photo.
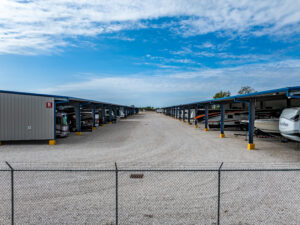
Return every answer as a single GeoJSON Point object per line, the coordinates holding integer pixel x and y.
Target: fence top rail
{"type": "Point", "coordinates": [146, 167]}
{"type": "Point", "coordinates": [152, 170]}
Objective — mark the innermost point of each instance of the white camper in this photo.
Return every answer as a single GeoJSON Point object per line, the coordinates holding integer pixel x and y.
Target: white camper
{"type": "Point", "coordinates": [289, 123]}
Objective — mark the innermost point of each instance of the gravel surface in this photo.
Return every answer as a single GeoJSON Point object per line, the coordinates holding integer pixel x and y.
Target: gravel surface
{"type": "Point", "coordinates": [144, 141]}
{"type": "Point", "coordinates": [155, 139]}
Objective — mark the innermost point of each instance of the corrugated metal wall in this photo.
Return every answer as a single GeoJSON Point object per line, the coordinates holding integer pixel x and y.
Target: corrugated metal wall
{"type": "Point", "coordinates": [25, 117]}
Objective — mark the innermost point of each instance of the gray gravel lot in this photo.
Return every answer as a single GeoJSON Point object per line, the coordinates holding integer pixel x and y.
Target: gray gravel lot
{"type": "Point", "coordinates": [144, 141]}
{"type": "Point", "coordinates": [155, 139]}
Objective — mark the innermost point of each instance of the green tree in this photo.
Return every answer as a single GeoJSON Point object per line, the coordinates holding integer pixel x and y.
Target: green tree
{"type": "Point", "coordinates": [246, 90]}
{"type": "Point", "coordinates": [148, 108]}
{"type": "Point", "coordinates": [222, 94]}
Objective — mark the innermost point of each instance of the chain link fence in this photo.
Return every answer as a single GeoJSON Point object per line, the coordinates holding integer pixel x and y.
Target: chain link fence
{"type": "Point", "coordinates": [112, 194]}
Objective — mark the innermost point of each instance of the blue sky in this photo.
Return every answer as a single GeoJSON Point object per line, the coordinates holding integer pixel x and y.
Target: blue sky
{"type": "Point", "coordinates": [148, 52]}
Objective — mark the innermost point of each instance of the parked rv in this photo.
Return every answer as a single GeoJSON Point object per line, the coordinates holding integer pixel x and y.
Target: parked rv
{"type": "Point", "coordinates": [231, 119]}
{"type": "Point", "coordinates": [289, 123]}
{"type": "Point", "coordinates": [62, 127]}
{"type": "Point", "coordinates": [122, 114]}
{"type": "Point", "coordinates": [97, 120]}
{"type": "Point", "coordinates": [159, 110]}
{"type": "Point", "coordinates": [107, 116]}
{"type": "Point", "coordinates": [87, 121]}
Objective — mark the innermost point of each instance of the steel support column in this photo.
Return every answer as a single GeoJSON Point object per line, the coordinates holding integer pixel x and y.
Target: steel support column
{"type": "Point", "coordinates": [196, 112]}
{"type": "Point", "coordinates": [110, 113]}
{"type": "Point", "coordinates": [94, 119]}
{"type": "Point", "coordinates": [222, 134]}
{"type": "Point", "coordinates": [78, 119]}
{"type": "Point", "coordinates": [183, 114]}
{"type": "Point", "coordinates": [251, 118]}
{"type": "Point", "coordinates": [103, 114]}
{"type": "Point", "coordinates": [180, 113]}
{"type": "Point", "coordinates": [251, 144]}
{"type": "Point", "coordinates": [189, 115]}
{"type": "Point", "coordinates": [206, 118]}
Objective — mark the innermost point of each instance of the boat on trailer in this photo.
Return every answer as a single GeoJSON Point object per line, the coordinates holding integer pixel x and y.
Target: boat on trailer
{"type": "Point", "coordinates": [270, 125]}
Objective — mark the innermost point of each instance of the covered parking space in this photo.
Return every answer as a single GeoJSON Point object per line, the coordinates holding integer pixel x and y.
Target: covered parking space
{"type": "Point", "coordinates": [30, 116]}
{"type": "Point", "coordinates": [271, 100]}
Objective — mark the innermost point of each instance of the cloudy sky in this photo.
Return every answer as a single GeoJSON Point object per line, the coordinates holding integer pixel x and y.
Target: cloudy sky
{"type": "Point", "coordinates": [154, 52]}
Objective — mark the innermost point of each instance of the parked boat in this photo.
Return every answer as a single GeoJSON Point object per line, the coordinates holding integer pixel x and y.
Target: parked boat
{"type": "Point", "coordinates": [270, 125]}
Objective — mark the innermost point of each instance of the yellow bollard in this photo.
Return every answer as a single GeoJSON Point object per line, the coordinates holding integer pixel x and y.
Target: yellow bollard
{"type": "Point", "coordinates": [78, 133]}
{"type": "Point", "coordinates": [205, 129]}
{"type": "Point", "coordinates": [196, 126]}
{"type": "Point", "coordinates": [251, 146]}
{"type": "Point", "coordinates": [52, 142]}
{"type": "Point", "coordinates": [222, 135]}
{"type": "Point", "coordinates": [94, 128]}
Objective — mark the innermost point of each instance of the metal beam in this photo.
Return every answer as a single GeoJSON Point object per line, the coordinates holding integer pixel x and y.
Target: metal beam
{"type": "Point", "coordinates": [206, 118]}
{"type": "Point", "coordinates": [78, 118]}
{"type": "Point", "coordinates": [222, 134]}
{"type": "Point", "coordinates": [251, 118]}
{"type": "Point", "coordinates": [251, 145]}
{"type": "Point", "coordinates": [103, 114]}
{"type": "Point", "coordinates": [94, 119]}
{"type": "Point", "coordinates": [110, 113]}
{"type": "Point", "coordinates": [189, 115]}
{"type": "Point", "coordinates": [196, 112]}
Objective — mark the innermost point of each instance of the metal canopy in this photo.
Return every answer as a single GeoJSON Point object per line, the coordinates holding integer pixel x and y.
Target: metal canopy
{"type": "Point", "coordinates": [274, 94]}
{"type": "Point", "coordinates": [63, 98]}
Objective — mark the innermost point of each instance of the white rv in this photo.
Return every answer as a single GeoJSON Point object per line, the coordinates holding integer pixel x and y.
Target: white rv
{"type": "Point", "coordinates": [289, 123]}
{"type": "Point", "coordinates": [62, 127]}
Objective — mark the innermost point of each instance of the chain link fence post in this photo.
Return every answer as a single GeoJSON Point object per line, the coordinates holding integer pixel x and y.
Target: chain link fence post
{"type": "Point", "coordinates": [219, 193]}
{"type": "Point", "coordinates": [117, 200]}
{"type": "Point", "coordinates": [12, 194]}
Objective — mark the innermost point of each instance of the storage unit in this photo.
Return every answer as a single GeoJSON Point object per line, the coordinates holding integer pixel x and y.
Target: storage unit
{"type": "Point", "coordinates": [26, 117]}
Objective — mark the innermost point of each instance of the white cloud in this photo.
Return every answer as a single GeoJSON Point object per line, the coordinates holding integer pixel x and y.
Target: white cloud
{"type": "Point", "coordinates": [30, 27]}
{"type": "Point", "coordinates": [174, 88]}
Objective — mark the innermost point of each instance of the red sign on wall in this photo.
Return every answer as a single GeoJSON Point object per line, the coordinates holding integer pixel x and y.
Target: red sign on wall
{"type": "Point", "coordinates": [48, 105]}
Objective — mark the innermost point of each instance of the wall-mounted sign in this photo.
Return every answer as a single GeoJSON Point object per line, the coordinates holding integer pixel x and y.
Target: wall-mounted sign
{"type": "Point", "coordinates": [49, 105]}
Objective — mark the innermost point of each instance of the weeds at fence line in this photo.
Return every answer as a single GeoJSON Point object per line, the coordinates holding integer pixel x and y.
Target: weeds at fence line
{"type": "Point", "coordinates": [218, 195]}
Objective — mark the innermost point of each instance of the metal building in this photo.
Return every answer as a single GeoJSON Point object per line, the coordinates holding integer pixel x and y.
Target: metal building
{"type": "Point", "coordinates": [28, 116]}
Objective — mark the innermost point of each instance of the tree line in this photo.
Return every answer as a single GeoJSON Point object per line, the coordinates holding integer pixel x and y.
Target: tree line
{"type": "Point", "coordinates": [243, 90]}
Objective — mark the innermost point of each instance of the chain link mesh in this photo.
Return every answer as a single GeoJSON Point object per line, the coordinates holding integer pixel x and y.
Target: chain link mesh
{"type": "Point", "coordinates": [62, 197]}
{"type": "Point", "coordinates": [5, 197]}
{"type": "Point", "coordinates": [83, 195]}
{"type": "Point", "coordinates": [168, 197]}
{"type": "Point", "coordinates": [260, 197]}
